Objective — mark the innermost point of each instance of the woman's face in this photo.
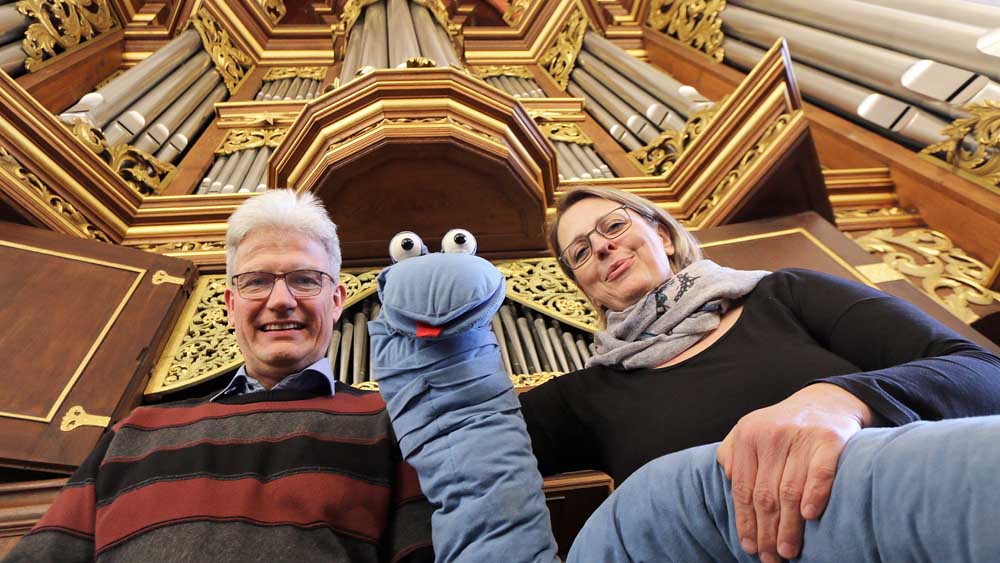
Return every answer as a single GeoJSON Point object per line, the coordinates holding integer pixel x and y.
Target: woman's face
{"type": "Point", "coordinates": [621, 270]}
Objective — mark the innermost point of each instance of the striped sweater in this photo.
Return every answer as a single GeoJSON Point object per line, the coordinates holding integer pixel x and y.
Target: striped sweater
{"type": "Point", "coordinates": [269, 476]}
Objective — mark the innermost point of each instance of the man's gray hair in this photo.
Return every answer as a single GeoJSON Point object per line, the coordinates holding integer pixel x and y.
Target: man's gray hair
{"type": "Point", "coordinates": [287, 211]}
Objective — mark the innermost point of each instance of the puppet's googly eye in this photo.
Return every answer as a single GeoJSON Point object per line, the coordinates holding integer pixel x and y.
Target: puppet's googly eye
{"type": "Point", "coordinates": [459, 241]}
{"type": "Point", "coordinates": [406, 244]}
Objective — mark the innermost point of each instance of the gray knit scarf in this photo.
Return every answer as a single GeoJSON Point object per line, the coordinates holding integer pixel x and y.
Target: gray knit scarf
{"type": "Point", "coordinates": [672, 317]}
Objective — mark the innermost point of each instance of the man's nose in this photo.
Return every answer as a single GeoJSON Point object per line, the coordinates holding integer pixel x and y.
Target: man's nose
{"type": "Point", "coordinates": [281, 297]}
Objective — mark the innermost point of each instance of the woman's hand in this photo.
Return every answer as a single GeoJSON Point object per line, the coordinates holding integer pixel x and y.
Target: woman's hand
{"type": "Point", "coordinates": [782, 460]}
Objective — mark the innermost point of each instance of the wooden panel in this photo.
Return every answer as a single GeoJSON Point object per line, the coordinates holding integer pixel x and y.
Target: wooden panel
{"type": "Point", "coordinates": [571, 498]}
{"type": "Point", "coordinates": [88, 320]}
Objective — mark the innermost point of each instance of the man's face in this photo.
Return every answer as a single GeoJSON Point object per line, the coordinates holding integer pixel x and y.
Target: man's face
{"type": "Point", "coordinates": [282, 334]}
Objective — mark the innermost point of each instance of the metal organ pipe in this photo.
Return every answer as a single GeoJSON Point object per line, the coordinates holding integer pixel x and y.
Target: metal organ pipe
{"type": "Point", "coordinates": [955, 10]}
{"type": "Point", "coordinates": [12, 59]}
{"type": "Point", "coordinates": [614, 127]}
{"type": "Point", "coordinates": [375, 53]}
{"type": "Point", "coordinates": [634, 122]}
{"type": "Point", "coordinates": [640, 101]}
{"type": "Point", "coordinates": [12, 24]}
{"type": "Point", "coordinates": [194, 122]}
{"type": "Point", "coordinates": [355, 48]}
{"type": "Point", "coordinates": [403, 43]}
{"type": "Point", "coordinates": [159, 132]}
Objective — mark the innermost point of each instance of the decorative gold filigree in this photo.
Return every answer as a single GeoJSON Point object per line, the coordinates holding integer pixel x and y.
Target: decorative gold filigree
{"type": "Point", "coordinates": [559, 60]}
{"type": "Point", "coordinates": [732, 179]}
{"type": "Point", "coordinates": [231, 62]}
{"type": "Point", "coordinates": [949, 275]}
{"type": "Point", "coordinates": [534, 379]}
{"type": "Point", "coordinates": [488, 71]}
{"type": "Point", "coordinates": [144, 173]}
{"type": "Point", "coordinates": [874, 213]}
{"type": "Point", "coordinates": [61, 25]}
{"type": "Point", "coordinates": [359, 286]}
{"type": "Point", "coordinates": [304, 72]}
{"type": "Point", "coordinates": [41, 192]}
{"type": "Point", "coordinates": [515, 11]}
{"type": "Point", "coordinates": [540, 284]}
{"type": "Point", "coordinates": [183, 247]}
{"type": "Point", "coordinates": [693, 22]}
{"type": "Point", "coordinates": [659, 156]}
{"type": "Point", "coordinates": [243, 139]}
{"type": "Point", "coordinates": [973, 143]}
{"type": "Point", "coordinates": [420, 62]}
{"type": "Point", "coordinates": [565, 132]}
{"type": "Point", "coordinates": [275, 9]}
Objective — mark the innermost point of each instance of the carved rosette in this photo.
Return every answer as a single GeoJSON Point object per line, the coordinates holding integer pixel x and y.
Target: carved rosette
{"type": "Point", "coordinates": [231, 62]}
{"type": "Point", "coordinates": [243, 139]}
{"type": "Point", "coordinates": [488, 71]}
{"type": "Point", "coordinates": [746, 162]}
{"type": "Point", "coordinates": [145, 174]}
{"type": "Point", "coordinates": [946, 273]}
{"type": "Point", "coordinates": [693, 22]}
{"type": "Point", "coordinates": [541, 285]}
{"type": "Point", "coordinates": [274, 9]}
{"type": "Point", "coordinates": [565, 132]}
{"type": "Point", "coordinates": [973, 143]}
{"type": "Point", "coordinates": [41, 192]}
{"type": "Point", "coordinates": [304, 72]}
{"type": "Point", "coordinates": [515, 11]}
{"type": "Point", "coordinates": [559, 60]}
{"type": "Point", "coordinates": [658, 157]}
{"type": "Point", "coordinates": [61, 25]}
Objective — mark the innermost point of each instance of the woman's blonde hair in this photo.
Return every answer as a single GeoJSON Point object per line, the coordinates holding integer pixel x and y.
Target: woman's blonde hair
{"type": "Point", "coordinates": [686, 249]}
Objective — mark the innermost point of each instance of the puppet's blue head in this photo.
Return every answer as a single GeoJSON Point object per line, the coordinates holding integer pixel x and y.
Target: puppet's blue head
{"type": "Point", "coordinates": [434, 296]}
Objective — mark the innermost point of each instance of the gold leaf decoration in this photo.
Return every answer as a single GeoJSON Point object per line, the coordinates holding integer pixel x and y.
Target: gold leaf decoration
{"type": "Point", "coordinates": [275, 9]}
{"type": "Point", "coordinates": [659, 156]}
{"type": "Point", "coordinates": [304, 72]}
{"type": "Point", "coordinates": [692, 22]}
{"type": "Point", "coordinates": [42, 192]}
{"type": "Point", "coordinates": [948, 275]}
{"type": "Point", "coordinates": [732, 179]}
{"type": "Point", "coordinates": [61, 25]}
{"type": "Point", "coordinates": [243, 139]}
{"type": "Point", "coordinates": [231, 62]}
{"type": "Point", "coordinates": [183, 247]}
{"type": "Point", "coordinates": [420, 62]}
{"type": "Point", "coordinates": [874, 213]}
{"type": "Point", "coordinates": [145, 174]}
{"type": "Point", "coordinates": [973, 143]}
{"type": "Point", "coordinates": [559, 60]}
{"type": "Point", "coordinates": [541, 285]}
{"type": "Point", "coordinates": [515, 11]}
{"type": "Point", "coordinates": [488, 71]}
{"type": "Point", "coordinates": [565, 132]}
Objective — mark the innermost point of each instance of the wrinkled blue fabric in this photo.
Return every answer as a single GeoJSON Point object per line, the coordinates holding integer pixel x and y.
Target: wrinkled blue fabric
{"type": "Point", "coordinates": [454, 410]}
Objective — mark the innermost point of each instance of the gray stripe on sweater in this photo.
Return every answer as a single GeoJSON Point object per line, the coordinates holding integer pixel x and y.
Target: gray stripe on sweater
{"type": "Point", "coordinates": [131, 442]}
{"type": "Point", "coordinates": [51, 545]}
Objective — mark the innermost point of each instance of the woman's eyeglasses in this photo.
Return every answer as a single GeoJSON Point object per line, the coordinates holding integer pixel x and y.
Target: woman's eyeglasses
{"type": "Point", "coordinates": [610, 226]}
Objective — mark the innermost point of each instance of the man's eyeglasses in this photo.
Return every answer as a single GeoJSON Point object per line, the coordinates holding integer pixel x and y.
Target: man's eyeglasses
{"type": "Point", "coordinates": [610, 226]}
{"type": "Point", "coordinates": [300, 283]}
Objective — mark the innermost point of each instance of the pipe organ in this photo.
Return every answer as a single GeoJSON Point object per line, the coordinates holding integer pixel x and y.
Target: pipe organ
{"type": "Point", "coordinates": [147, 131]}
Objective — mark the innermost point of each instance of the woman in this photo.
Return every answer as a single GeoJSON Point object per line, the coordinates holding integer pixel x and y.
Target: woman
{"type": "Point", "coordinates": [784, 368]}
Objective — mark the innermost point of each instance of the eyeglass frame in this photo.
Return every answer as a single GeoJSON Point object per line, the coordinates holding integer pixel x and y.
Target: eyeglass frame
{"type": "Point", "coordinates": [586, 236]}
{"type": "Point", "coordinates": [274, 282]}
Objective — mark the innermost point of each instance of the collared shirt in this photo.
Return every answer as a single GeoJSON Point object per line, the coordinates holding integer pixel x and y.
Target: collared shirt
{"type": "Point", "coordinates": [316, 377]}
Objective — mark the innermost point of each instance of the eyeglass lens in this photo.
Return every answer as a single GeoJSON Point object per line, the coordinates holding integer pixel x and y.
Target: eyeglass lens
{"type": "Point", "coordinates": [258, 285]}
{"type": "Point", "coordinates": [609, 226]}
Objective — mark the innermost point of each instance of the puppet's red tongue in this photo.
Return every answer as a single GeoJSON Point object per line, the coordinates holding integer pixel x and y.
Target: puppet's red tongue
{"type": "Point", "coordinates": [427, 331]}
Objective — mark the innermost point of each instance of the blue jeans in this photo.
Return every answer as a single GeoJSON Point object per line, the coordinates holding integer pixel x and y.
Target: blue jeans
{"type": "Point", "coordinates": [927, 491]}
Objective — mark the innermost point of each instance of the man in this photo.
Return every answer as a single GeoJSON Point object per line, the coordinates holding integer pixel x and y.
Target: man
{"type": "Point", "coordinates": [284, 464]}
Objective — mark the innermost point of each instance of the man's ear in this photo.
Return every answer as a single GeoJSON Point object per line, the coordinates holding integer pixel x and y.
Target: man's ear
{"type": "Point", "coordinates": [229, 306]}
{"type": "Point", "coordinates": [668, 243]}
{"type": "Point", "coordinates": [338, 297]}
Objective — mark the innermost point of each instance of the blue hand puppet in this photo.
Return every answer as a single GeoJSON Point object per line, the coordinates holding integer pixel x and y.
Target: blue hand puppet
{"type": "Point", "coordinates": [452, 405]}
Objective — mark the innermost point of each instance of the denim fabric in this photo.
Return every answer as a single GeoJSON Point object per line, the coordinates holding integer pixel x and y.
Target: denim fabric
{"type": "Point", "coordinates": [927, 491]}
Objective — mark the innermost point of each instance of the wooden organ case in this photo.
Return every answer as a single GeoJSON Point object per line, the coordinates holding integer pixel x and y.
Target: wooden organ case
{"type": "Point", "coordinates": [127, 147]}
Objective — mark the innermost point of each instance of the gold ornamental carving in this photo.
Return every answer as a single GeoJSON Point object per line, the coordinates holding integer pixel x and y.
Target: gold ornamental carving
{"type": "Point", "coordinates": [183, 247]}
{"type": "Point", "coordinates": [231, 62]}
{"type": "Point", "coordinates": [144, 173]}
{"type": "Point", "coordinates": [243, 139]}
{"type": "Point", "coordinates": [534, 379]}
{"type": "Point", "coordinates": [519, 71]}
{"type": "Point", "coordinates": [565, 132]}
{"type": "Point", "coordinates": [76, 417]}
{"type": "Point", "coordinates": [540, 285]}
{"type": "Point", "coordinates": [948, 275]}
{"type": "Point", "coordinates": [659, 156]}
{"type": "Point", "coordinates": [304, 72]}
{"type": "Point", "coordinates": [420, 62]}
{"type": "Point", "coordinates": [559, 60]}
{"type": "Point", "coordinates": [61, 25]}
{"type": "Point", "coordinates": [693, 22]}
{"type": "Point", "coordinates": [274, 9]}
{"type": "Point", "coordinates": [973, 144]}
{"type": "Point", "coordinates": [41, 192]}
{"type": "Point", "coordinates": [746, 162]}
{"type": "Point", "coordinates": [515, 11]}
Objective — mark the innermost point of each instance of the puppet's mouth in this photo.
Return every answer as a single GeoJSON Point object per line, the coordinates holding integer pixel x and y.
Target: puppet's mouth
{"type": "Point", "coordinates": [427, 331]}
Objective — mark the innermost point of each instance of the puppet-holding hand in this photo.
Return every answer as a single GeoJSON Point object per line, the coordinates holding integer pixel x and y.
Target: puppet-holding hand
{"type": "Point", "coordinates": [782, 460]}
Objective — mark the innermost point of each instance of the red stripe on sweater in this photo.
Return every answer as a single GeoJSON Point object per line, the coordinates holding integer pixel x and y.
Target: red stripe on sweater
{"type": "Point", "coordinates": [308, 499]}
{"type": "Point", "coordinates": [407, 484]}
{"type": "Point", "coordinates": [151, 418]}
{"type": "Point", "coordinates": [73, 510]}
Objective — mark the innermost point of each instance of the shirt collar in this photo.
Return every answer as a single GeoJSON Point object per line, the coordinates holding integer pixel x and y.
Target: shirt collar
{"type": "Point", "coordinates": [318, 376]}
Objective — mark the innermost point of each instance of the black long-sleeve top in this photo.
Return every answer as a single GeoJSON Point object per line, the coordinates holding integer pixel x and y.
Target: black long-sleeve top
{"type": "Point", "coordinates": [797, 327]}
